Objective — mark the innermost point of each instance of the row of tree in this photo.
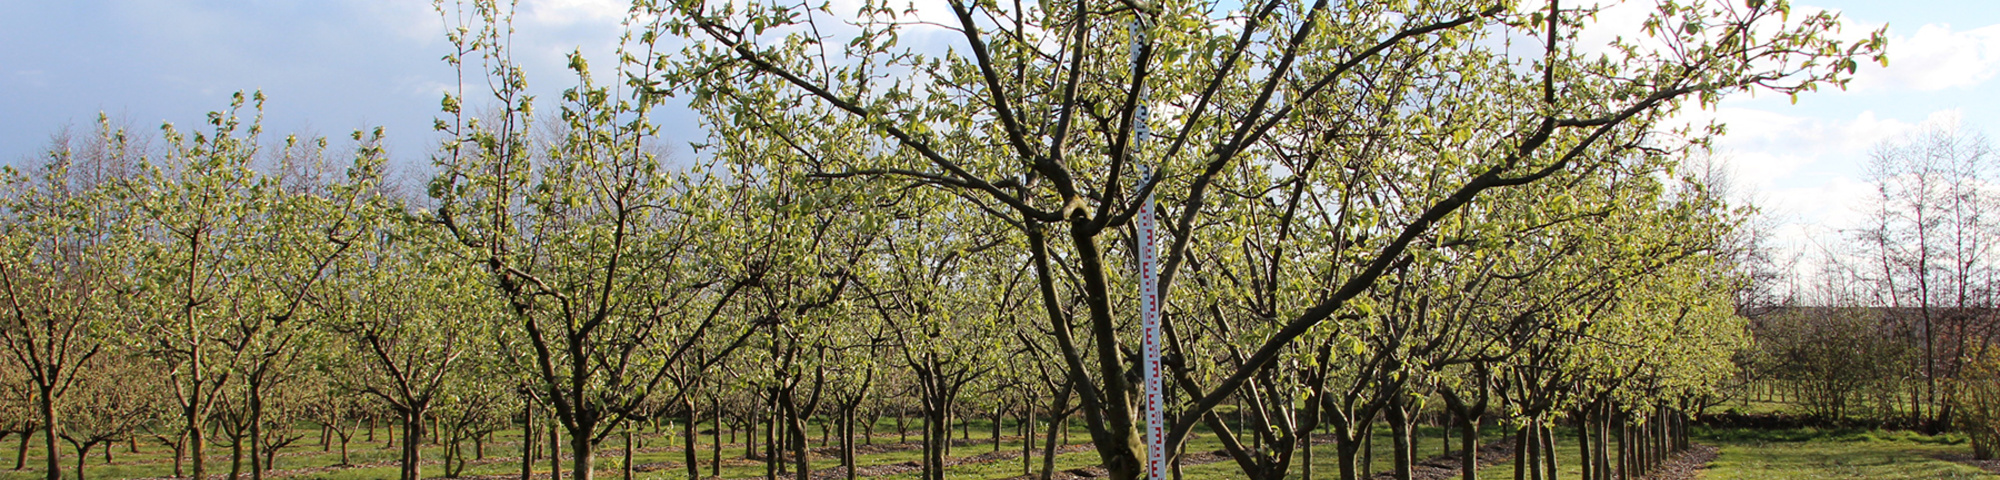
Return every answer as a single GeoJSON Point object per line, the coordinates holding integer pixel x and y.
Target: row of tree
{"type": "Point", "coordinates": [1895, 323]}
{"type": "Point", "coordinates": [1372, 210]}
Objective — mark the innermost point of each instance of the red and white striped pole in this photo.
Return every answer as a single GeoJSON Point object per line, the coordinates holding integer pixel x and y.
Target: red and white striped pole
{"type": "Point", "coordinates": [1149, 311]}
{"type": "Point", "coordinates": [1149, 280]}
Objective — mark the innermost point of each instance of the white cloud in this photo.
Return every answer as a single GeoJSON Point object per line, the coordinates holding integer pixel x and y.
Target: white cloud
{"type": "Point", "coordinates": [1807, 173]}
{"type": "Point", "coordinates": [1935, 58]}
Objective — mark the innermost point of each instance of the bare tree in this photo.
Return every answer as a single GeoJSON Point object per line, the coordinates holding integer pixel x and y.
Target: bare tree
{"type": "Point", "coordinates": [1928, 241]}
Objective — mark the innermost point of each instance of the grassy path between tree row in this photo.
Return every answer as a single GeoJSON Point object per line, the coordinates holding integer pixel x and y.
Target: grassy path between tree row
{"type": "Point", "coordinates": [1741, 454]}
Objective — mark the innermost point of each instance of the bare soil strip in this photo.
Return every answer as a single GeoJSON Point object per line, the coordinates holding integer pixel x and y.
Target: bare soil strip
{"type": "Point", "coordinates": [1444, 467]}
{"type": "Point", "coordinates": [1686, 465]}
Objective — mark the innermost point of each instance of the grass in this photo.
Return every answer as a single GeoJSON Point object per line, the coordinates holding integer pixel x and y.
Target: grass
{"type": "Point", "coordinates": [1745, 454]}
{"type": "Point", "coordinates": [154, 460]}
{"type": "Point", "coordinates": [1838, 454]}
{"type": "Point", "coordinates": [1806, 454]}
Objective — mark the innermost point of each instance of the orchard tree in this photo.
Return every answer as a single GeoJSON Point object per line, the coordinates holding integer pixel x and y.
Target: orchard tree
{"type": "Point", "coordinates": [309, 215]}
{"type": "Point", "coordinates": [593, 240]}
{"type": "Point", "coordinates": [409, 316]}
{"type": "Point", "coordinates": [803, 249]}
{"type": "Point", "coordinates": [63, 282]}
{"type": "Point", "coordinates": [1039, 114]}
{"type": "Point", "coordinates": [946, 291]}
{"type": "Point", "coordinates": [230, 255]}
{"type": "Point", "coordinates": [121, 395]}
{"type": "Point", "coordinates": [229, 261]}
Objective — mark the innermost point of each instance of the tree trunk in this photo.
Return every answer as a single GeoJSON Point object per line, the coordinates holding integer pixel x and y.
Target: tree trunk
{"type": "Point", "coordinates": [1415, 450]}
{"type": "Point", "coordinates": [49, 420]}
{"type": "Point", "coordinates": [81, 453]}
{"type": "Point", "coordinates": [868, 426]}
{"type": "Point", "coordinates": [1547, 435]}
{"type": "Point", "coordinates": [1306, 453]}
{"type": "Point", "coordinates": [235, 456]}
{"type": "Point", "coordinates": [1347, 448]}
{"type": "Point", "coordinates": [940, 436]}
{"type": "Point", "coordinates": [1583, 453]}
{"type": "Point", "coordinates": [1399, 432]}
{"type": "Point", "coordinates": [581, 452]}
{"type": "Point", "coordinates": [1521, 454]}
{"type": "Point", "coordinates": [689, 436]}
{"type": "Point", "coordinates": [802, 446]}
{"type": "Point", "coordinates": [751, 430]}
{"type": "Point", "coordinates": [1604, 470]}
{"type": "Point", "coordinates": [527, 440]}
{"type": "Point", "coordinates": [180, 450]}
{"type": "Point", "coordinates": [930, 445]}
{"type": "Point", "coordinates": [192, 411]}
{"type": "Point", "coordinates": [1058, 423]}
{"type": "Point", "coordinates": [1642, 451]}
{"type": "Point", "coordinates": [1368, 449]}
{"type": "Point", "coordinates": [715, 443]}
{"type": "Point", "coordinates": [771, 461]}
{"type": "Point", "coordinates": [257, 429]}
{"type": "Point", "coordinates": [1468, 447]}
{"type": "Point", "coordinates": [1625, 447]}
{"type": "Point", "coordinates": [21, 453]}
{"type": "Point", "coordinates": [270, 454]}
{"type": "Point", "coordinates": [847, 439]}
{"type": "Point", "coordinates": [1027, 429]}
{"type": "Point", "coordinates": [555, 450]}
{"type": "Point", "coordinates": [412, 452]}
{"type": "Point", "coordinates": [1445, 425]}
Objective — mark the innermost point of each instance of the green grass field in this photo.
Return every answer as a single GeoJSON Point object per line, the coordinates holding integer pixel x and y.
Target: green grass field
{"type": "Point", "coordinates": [376, 459]}
{"type": "Point", "coordinates": [1814, 454]}
{"type": "Point", "coordinates": [1807, 454]}
{"type": "Point", "coordinates": [1745, 454]}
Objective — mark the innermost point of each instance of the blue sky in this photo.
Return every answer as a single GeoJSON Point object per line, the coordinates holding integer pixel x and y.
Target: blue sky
{"type": "Point", "coordinates": [332, 66]}
{"type": "Point", "coordinates": [328, 66]}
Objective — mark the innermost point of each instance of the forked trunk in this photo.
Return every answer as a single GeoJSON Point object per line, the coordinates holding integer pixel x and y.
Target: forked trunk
{"type": "Point", "coordinates": [81, 454]}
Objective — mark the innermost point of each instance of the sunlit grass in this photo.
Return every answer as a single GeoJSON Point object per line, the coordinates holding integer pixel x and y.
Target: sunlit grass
{"type": "Point", "coordinates": [1817, 454]}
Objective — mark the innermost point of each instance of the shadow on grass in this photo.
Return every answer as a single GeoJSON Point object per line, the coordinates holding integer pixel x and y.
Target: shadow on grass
{"type": "Point", "coordinates": [1803, 434]}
